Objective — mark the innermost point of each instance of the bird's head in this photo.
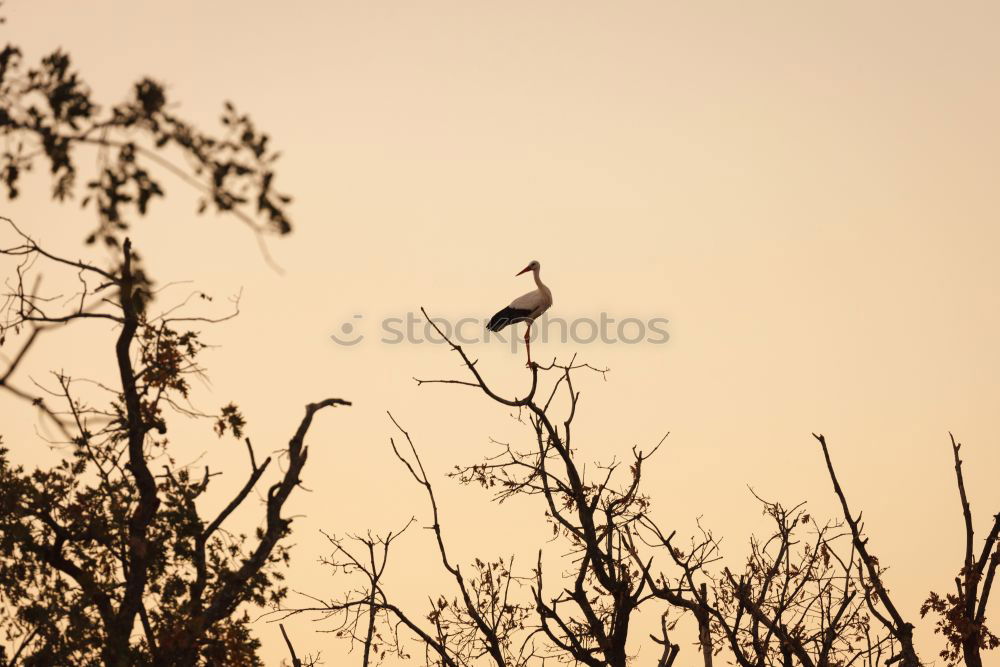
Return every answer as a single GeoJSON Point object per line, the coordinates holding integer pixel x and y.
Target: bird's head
{"type": "Point", "coordinates": [533, 266]}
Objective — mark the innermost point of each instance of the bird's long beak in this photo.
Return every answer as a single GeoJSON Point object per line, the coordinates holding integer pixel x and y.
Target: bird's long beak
{"type": "Point", "coordinates": [524, 270]}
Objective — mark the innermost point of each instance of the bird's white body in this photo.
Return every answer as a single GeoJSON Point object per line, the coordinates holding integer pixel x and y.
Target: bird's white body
{"type": "Point", "coordinates": [536, 301]}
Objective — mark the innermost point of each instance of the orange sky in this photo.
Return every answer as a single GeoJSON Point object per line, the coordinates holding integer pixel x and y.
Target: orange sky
{"type": "Point", "coordinates": [807, 191]}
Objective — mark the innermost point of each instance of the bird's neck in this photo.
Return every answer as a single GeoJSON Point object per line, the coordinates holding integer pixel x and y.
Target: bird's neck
{"type": "Point", "coordinates": [538, 281]}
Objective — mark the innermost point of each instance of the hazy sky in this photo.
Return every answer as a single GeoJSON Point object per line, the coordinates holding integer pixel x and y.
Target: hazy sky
{"type": "Point", "coordinates": [806, 190]}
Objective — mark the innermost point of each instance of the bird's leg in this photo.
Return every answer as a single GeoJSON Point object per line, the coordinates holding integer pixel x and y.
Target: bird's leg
{"type": "Point", "coordinates": [527, 343]}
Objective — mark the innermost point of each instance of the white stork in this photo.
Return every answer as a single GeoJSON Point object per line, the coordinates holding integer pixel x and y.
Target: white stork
{"type": "Point", "coordinates": [525, 308]}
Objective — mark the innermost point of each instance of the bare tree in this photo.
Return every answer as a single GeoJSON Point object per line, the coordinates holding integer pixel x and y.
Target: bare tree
{"type": "Point", "coordinates": [796, 602]}
{"type": "Point", "coordinates": [309, 661]}
{"type": "Point", "coordinates": [875, 591]}
{"type": "Point", "coordinates": [481, 621]}
{"type": "Point", "coordinates": [587, 616]}
{"type": "Point", "coordinates": [810, 593]}
{"type": "Point", "coordinates": [963, 613]}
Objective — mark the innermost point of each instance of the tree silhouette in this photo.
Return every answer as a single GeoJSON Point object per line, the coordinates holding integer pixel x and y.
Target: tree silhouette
{"type": "Point", "coordinates": [810, 593]}
{"type": "Point", "coordinates": [963, 613]}
{"type": "Point", "coordinates": [107, 557]}
{"type": "Point", "coordinates": [113, 534]}
{"type": "Point", "coordinates": [48, 115]}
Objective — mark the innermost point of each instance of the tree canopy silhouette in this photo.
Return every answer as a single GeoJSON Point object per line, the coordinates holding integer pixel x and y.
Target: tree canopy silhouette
{"type": "Point", "coordinates": [810, 592]}
{"type": "Point", "coordinates": [108, 556]}
{"type": "Point", "coordinates": [48, 117]}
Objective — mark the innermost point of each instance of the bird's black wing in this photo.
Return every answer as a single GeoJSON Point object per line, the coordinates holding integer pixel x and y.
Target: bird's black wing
{"type": "Point", "coordinates": [507, 316]}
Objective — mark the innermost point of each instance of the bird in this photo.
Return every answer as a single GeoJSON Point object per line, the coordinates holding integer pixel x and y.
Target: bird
{"type": "Point", "coordinates": [525, 308]}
